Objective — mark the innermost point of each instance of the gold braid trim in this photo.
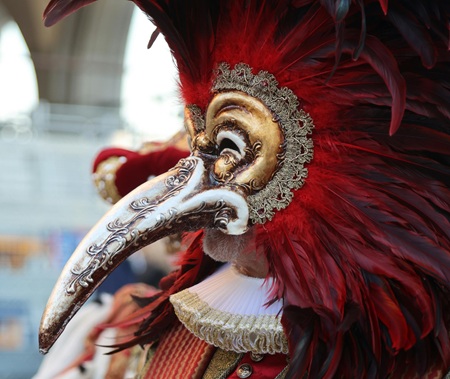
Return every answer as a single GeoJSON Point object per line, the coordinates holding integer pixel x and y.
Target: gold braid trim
{"type": "Point", "coordinates": [260, 334]}
{"type": "Point", "coordinates": [222, 364]}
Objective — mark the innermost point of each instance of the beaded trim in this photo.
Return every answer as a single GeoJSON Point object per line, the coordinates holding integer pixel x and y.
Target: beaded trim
{"type": "Point", "coordinates": [261, 334]}
{"type": "Point", "coordinates": [296, 125]}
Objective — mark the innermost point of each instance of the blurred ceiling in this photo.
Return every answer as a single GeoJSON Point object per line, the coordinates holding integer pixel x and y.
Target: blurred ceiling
{"type": "Point", "coordinates": [79, 60]}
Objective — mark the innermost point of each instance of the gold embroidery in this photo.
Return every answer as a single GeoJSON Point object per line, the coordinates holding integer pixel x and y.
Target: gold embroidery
{"type": "Point", "coordinates": [105, 177]}
{"type": "Point", "coordinates": [261, 334]}
{"type": "Point", "coordinates": [222, 364]}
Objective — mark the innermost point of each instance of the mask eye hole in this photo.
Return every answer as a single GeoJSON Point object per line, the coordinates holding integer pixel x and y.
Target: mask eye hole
{"type": "Point", "coordinates": [228, 144]}
{"type": "Point", "coordinates": [229, 141]}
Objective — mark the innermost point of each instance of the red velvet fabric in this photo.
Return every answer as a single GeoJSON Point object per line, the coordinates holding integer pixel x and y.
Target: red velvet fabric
{"type": "Point", "coordinates": [138, 167]}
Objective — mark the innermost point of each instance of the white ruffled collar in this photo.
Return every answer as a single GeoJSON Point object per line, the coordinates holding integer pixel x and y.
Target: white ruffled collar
{"type": "Point", "coordinates": [229, 310]}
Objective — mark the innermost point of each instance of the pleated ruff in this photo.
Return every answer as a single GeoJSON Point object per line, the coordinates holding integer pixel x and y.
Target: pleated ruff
{"type": "Point", "coordinates": [228, 310]}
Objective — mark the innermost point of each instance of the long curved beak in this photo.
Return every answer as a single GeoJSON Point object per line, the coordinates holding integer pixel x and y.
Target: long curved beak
{"type": "Point", "coordinates": [183, 199]}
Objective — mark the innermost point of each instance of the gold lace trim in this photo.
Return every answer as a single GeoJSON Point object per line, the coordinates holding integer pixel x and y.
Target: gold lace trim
{"type": "Point", "coordinates": [261, 334]}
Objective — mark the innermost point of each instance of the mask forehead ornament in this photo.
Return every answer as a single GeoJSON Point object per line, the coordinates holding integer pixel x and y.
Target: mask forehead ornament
{"type": "Point", "coordinates": [270, 134]}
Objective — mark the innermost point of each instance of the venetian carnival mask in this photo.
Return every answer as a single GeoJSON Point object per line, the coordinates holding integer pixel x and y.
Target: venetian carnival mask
{"type": "Point", "coordinates": [249, 148]}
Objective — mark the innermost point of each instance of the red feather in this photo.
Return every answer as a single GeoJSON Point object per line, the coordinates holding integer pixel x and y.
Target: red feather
{"type": "Point", "coordinates": [58, 9]}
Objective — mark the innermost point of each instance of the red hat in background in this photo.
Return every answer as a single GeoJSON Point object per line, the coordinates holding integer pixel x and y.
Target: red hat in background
{"type": "Point", "coordinates": [117, 171]}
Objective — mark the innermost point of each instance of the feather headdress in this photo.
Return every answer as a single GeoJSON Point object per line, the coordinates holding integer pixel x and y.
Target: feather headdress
{"type": "Point", "coordinates": [361, 257]}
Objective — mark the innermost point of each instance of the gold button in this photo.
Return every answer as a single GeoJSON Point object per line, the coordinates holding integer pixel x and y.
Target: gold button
{"type": "Point", "coordinates": [244, 371]}
{"type": "Point", "coordinates": [256, 357]}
